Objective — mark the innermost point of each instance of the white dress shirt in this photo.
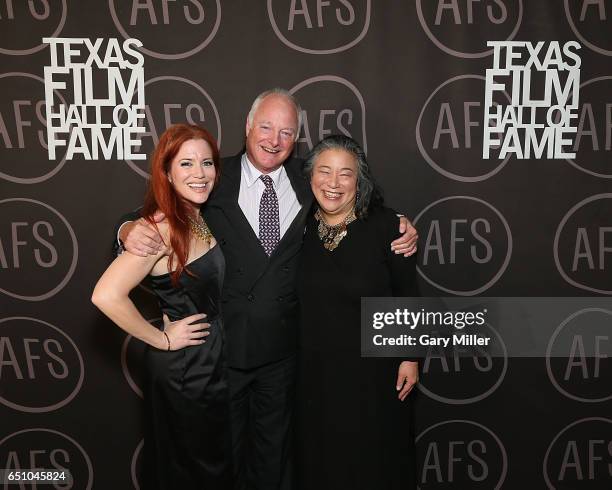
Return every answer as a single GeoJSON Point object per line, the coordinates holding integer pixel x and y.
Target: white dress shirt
{"type": "Point", "coordinates": [252, 188]}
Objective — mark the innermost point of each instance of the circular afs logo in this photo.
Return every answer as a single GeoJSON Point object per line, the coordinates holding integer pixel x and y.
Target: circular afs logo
{"type": "Point", "coordinates": [593, 140]}
{"type": "Point", "coordinates": [38, 250]}
{"type": "Point", "coordinates": [582, 246]}
{"type": "Point", "coordinates": [132, 365]}
{"type": "Point", "coordinates": [467, 245]}
{"type": "Point", "coordinates": [577, 356]}
{"type": "Point", "coordinates": [154, 23]}
{"type": "Point", "coordinates": [136, 465]}
{"type": "Point", "coordinates": [41, 367]}
{"type": "Point", "coordinates": [23, 133]}
{"type": "Point", "coordinates": [317, 27]}
{"type": "Point", "coordinates": [46, 448]}
{"type": "Point", "coordinates": [591, 24]}
{"type": "Point", "coordinates": [24, 24]}
{"type": "Point", "coordinates": [330, 105]}
{"type": "Point", "coordinates": [580, 455]}
{"type": "Point", "coordinates": [172, 100]}
{"type": "Point", "coordinates": [449, 130]}
{"type": "Point", "coordinates": [462, 29]}
{"type": "Point", "coordinates": [481, 373]}
{"type": "Point", "coordinates": [461, 454]}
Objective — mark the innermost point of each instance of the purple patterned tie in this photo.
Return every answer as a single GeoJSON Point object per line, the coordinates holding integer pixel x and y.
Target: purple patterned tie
{"type": "Point", "coordinates": [269, 226]}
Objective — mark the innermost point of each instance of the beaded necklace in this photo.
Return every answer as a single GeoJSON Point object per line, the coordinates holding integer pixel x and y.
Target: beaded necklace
{"type": "Point", "coordinates": [332, 235]}
{"type": "Point", "coordinates": [200, 230]}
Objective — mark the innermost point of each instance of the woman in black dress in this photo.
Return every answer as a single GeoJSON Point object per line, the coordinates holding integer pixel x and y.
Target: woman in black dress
{"type": "Point", "coordinates": [353, 431]}
{"type": "Point", "coordinates": [187, 438]}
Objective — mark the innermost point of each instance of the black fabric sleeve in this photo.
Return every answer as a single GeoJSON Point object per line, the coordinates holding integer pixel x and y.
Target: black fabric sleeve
{"type": "Point", "coordinates": [402, 269]}
{"type": "Point", "coordinates": [132, 216]}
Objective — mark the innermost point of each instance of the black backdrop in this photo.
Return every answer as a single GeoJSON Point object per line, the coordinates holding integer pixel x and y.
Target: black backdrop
{"type": "Point", "coordinates": [384, 72]}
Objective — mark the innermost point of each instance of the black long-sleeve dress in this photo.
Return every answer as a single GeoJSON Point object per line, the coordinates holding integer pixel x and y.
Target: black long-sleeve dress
{"type": "Point", "coordinates": [351, 430]}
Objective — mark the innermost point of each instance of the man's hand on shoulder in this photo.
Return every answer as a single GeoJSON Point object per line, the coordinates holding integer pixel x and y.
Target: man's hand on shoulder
{"type": "Point", "coordinates": [141, 238]}
{"type": "Point", "coordinates": [407, 243]}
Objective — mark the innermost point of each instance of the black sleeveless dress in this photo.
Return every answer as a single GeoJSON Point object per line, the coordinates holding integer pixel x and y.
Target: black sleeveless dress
{"type": "Point", "coordinates": [187, 437]}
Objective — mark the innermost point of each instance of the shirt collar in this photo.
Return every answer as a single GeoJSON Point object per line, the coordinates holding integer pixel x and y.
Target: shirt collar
{"type": "Point", "coordinates": [251, 174]}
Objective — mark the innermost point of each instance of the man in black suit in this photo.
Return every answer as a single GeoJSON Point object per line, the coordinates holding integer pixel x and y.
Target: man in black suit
{"type": "Point", "coordinates": [260, 306]}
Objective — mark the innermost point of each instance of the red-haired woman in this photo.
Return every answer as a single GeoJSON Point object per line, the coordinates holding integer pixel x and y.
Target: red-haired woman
{"type": "Point", "coordinates": [187, 440]}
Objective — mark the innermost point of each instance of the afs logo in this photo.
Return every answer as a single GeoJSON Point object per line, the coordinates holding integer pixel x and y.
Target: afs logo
{"type": "Point", "coordinates": [462, 28]}
{"type": "Point", "coordinates": [173, 100]}
{"type": "Point", "coordinates": [591, 22]}
{"type": "Point", "coordinates": [320, 27]}
{"type": "Point", "coordinates": [578, 356]}
{"type": "Point", "coordinates": [154, 22]}
{"type": "Point", "coordinates": [580, 456]}
{"type": "Point", "coordinates": [24, 23]}
{"type": "Point", "coordinates": [481, 374]}
{"type": "Point", "coordinates": [38, 250]}
{"type": "Point", "coordinates": [50, 449]}
{"type": "Point", "coordinates": [449, 130]}
{"type": "Point", "coordinates": [461, 454]}
{"type": "Point", "coordinates": [132, 353]}
{"type": "Point", "coordinates": [330, 105]}
{"type": "Point", "coordinates": [593, 140]}
{"type": "Point", "coordinates": [583, 244]}
{"type": "Point", "coordinates": [467, 245]}
{"type": "Point", "coordinates": [23, 127]}
{"type": "Point", "coordinates": [41, 368]}
{"type": "Point", "coordinates": [136, 467]}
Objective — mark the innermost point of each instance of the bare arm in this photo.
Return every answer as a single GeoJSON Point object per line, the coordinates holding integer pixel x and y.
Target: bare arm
{"type": "Point", "coordinates": [111, 296]}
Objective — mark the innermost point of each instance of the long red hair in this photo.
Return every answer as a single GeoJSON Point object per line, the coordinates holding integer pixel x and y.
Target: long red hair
{"type": "Point", "coordinates": [161, 195]}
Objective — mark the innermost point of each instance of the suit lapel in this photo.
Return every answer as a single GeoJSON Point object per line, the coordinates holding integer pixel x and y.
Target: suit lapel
{"type": "Point", "coordinates": [304, 195]}
{"type": "Point", "coordinates": [300, 184]}
{"type": "Point", "coordinates": [226, 198]}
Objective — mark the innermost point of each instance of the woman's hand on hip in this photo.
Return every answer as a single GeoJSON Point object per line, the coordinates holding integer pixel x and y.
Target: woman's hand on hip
{"type": "Point", "coordinates": [185, 332]}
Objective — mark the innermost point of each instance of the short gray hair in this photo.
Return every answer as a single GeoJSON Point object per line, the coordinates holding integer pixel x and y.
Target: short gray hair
{"type": "Point", "coordinates": [368, 193]}
{"type": "Point", "coordinates": [283, 93]}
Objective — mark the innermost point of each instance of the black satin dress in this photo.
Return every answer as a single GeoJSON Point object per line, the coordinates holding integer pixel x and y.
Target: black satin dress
{"type": "Point", "coordinates": [187, 437]}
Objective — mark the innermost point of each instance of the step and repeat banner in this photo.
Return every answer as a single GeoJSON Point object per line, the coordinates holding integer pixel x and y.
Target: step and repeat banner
{"type": "Point", "coordinates": [489, 122]}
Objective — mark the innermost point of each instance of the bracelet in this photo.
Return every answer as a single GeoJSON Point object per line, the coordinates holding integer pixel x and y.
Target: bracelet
{"type": "Point", "coordinates": [167, 340]}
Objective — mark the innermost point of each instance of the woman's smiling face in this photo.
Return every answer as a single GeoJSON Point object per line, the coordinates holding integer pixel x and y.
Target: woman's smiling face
{"type": "Point", "coordinates": [334, 183]}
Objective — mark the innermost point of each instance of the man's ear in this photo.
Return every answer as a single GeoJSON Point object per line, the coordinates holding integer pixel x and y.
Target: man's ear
{"type": "Point", "coordinates": [247, 127]}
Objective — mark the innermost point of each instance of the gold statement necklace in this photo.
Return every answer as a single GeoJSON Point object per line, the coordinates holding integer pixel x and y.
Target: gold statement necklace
{"type": "Point", "coordinates": [200, 230]}
{"type": "Point", "coordinates": [332, 235]}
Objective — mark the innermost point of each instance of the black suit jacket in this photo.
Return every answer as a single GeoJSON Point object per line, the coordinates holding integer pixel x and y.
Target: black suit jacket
{"type": "Point", "coordinates": [259, 302]}
{"type": "Point", "coordinates": [259, 299]}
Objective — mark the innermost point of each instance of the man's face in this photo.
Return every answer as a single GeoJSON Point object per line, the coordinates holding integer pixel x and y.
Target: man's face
{"type": "Point", "coordinates": [270, 139]}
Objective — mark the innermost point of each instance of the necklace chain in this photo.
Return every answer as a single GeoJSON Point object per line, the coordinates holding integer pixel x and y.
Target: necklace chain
{"type": "Point", "coordinates": [332, 235]}
{"type": "Point", "coordinates": [200, 230]}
